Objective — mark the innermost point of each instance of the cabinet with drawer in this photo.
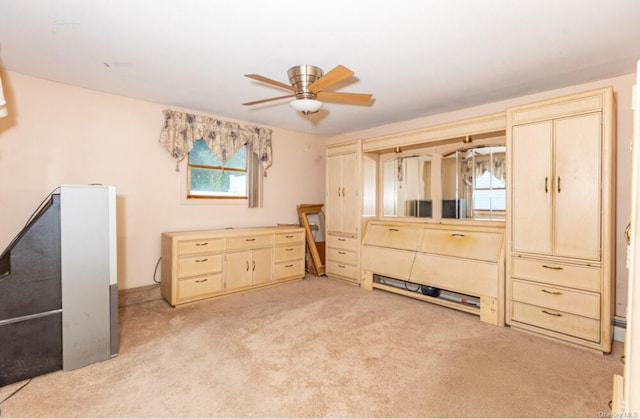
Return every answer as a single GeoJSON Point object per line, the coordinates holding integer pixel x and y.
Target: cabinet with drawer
{"type": "Point", "coordinates": [203, 264]}
{"type": "Point", "coordinates": [561, 223]}
{"type": "Point", "coordinates": [342, 258]}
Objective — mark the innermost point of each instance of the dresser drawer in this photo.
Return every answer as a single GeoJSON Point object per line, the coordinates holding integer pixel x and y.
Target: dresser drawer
{"type": "Point", "coordinates": [293, 252]}
{"type": "Point", "coordinates": [479, 245]}
{"type": "Point", "coordinates": [198, 265]}
{"type": "Point", "coordinates": [186, 247]}
{"type": "Point", "coordinates": [349, 243]}
{"type": "Point", "coordinates": [461, 275]}
{"type": "Point", "coordinates": [290, 237]}
{"type": "Point", "coordinates": [198, 287]}
{"type": "Point", "coordinates": [250, 242]}
{"type": "Point", "coordinates": [575, 302]}
{"type": "Point", "coordinates": [557, 321]}
{"type": "Point", "coordinates": [344, 256]}
{"type": "Point", "coordinates": [393, 236]}
{"type": "Point", "coordinates": [572, 276]}
{"type": "Point", "coordinates": [342, 269]}
{"type": "Point", "coordinates": [291, 269]}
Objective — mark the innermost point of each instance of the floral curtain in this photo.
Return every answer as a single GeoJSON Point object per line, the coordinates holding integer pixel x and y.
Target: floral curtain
{"type": "Point", "coordinates": [181, 130]}
{"type": "Point", "coordinates": [479, 164]}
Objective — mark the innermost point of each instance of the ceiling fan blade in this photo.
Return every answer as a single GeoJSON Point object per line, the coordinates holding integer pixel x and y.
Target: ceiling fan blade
{"type": "Point", "coordinates": [358, 98]}
{"type": "Point", "coordinates": [255, 102]}
{"type": "Point", "coordinates": [269, 81]}
{"type": "Point", "coordinates": [335, 75]}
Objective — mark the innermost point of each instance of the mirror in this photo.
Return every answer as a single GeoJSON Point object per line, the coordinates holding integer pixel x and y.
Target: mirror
{"type": "Point", "coordinates": [407, 186]}
{"type": "Point", "coordinates": [473, 183]}
{"type": "Point", "coordinates": [311, 218]}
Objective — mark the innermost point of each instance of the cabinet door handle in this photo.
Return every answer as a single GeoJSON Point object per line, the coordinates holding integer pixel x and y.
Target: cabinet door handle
{"type": "Point", "coordinates": [247, 266]}
{"type": "Point", "coordinates": [551, 292]}
{"type": "Point", "coordinates": [254, 266]}
{"type": "Point", "coordinates": [343, 191]}
{"type": "Point", "coordinates": [201, 260]}
{"type": "Point", "coordinates": [555, 268]}
{"type": "Point", "coordinates": [202, 244]}
{"type": "Point", "coordinates": [552, 314]}
{"type": "Point", "coordinates": [546, 184]}
{"type": "Point", "coordinates": [338, 191]}
{"type": "Point", "coordinates": [199, 281]}
{"type": "Point", "coordinates": [558, 184]}
{"type": "Point", "coordinates": [457, 235]}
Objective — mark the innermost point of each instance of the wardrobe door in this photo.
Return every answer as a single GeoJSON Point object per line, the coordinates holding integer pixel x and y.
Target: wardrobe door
{"type": "Point", "coordinates": [531, 189]}
{"type": "Point", "coordinates": [577, 183]}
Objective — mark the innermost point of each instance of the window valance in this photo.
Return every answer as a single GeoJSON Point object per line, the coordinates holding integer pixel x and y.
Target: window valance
{"type": "Point", "coordinates": [475, 167]}
{"type": "Point", "coordinates": [181, 130]}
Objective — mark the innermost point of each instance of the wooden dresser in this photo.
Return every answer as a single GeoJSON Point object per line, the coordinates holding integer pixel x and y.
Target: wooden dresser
{"type": "Point", "coordinates": [463, 260]}
{"type": "Point", "coordinates": [208, 263]}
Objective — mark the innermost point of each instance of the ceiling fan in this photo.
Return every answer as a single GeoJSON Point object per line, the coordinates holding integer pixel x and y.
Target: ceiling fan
{"type": "Point", "coordinates": [308, 84]}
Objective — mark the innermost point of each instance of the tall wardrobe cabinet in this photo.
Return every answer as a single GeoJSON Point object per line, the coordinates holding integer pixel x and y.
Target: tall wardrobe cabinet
{"type": "Point", "coordinates": [343, 210]}
{"type": "Point", "coordinates": [561, 261]}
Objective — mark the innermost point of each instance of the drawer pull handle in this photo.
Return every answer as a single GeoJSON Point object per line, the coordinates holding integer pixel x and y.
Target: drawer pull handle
{"type": "Point", "coordinates": [250, 240]}
{"type": "Point", "coordinates": [555, 268]}
{"type": "Point", "coordinates": [341, 266]}
{"type": "Point", "coordinates": [393, 229]}
{"type": "Point", "coordinates": [552, 314]}
{"type": "Point", "coordinates": [202, 244]}
{"type": "Point", "coordinates": [201, 260]}
{"type": "Point", "coordinates": [342, 253]}
{"type": "Point", "coordinates": [457, 235]}
{"type": "Point", "coordinates": [288, 266]}
{"type": "Point", "coordinates": [288, 236]}
{"type": "Point", "coordinates": [342, 240]}
{"type": "Point", "coordinates": [551, 292]}
{"type": "Point", "coordinates": [289, 249]}
{"type": "Point", "coordinates": [199, 281]}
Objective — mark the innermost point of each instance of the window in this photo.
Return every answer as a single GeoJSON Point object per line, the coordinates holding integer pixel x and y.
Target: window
{"type": "Point", "coordinates": [208, 178]}
{"type": "Point", "coordinates": [489, 193]}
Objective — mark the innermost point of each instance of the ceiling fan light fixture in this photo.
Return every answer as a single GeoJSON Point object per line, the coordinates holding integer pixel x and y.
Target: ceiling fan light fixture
{"type": "Point", "coordinates": [306, 106]}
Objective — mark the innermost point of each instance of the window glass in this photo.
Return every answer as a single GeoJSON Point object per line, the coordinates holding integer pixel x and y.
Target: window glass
{"type": "Point", "coordinates": [209, 179]}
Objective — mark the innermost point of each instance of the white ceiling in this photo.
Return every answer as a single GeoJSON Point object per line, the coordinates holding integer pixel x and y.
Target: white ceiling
{"type": "Point", "coordinates": [417, 57]}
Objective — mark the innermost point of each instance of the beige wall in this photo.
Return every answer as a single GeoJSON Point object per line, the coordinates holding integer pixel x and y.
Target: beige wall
{"type": "Point", "coordinates": [622, 86]}
{"type": "Point", "coordinates": [60, 134]}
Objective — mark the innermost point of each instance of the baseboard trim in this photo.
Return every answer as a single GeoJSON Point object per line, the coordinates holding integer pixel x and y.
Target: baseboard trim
{"type": "Point", "coordinates": [139, 295]}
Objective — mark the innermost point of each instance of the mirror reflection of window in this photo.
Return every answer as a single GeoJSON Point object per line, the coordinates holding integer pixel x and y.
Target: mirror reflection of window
{"type": "Point", "coordinates": [474, 183]}
{"type": "Point", "coordinates": [407, 186]}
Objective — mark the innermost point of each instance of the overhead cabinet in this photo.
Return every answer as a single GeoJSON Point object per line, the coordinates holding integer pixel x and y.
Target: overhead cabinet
{"type": "Point", "coordinates": [560, 259]}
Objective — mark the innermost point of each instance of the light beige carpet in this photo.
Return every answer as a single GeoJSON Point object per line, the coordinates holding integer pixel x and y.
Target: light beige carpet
{"type": "Point", "coordinates": [322, 348]}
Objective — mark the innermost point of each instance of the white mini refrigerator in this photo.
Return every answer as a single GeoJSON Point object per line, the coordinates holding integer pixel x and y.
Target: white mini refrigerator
{"type": "Point", "coordinates": [88, 265]}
